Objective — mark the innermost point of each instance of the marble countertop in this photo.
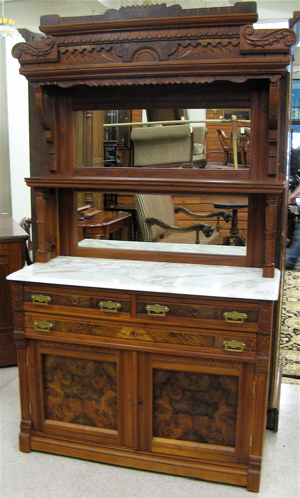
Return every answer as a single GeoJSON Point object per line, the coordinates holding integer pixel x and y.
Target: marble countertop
{"type": "Point", "coordinates": [175, 278]}
{"type": "Point", "coordinates": [128, 245]}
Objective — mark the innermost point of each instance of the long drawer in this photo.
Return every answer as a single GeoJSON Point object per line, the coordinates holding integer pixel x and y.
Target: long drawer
{"type": "Point", "coordinates": [204, 340]}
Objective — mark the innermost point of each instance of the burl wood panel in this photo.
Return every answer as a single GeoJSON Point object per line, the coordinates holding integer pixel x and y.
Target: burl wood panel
{"type": "Point", "coordinates": [81, 391]}
{"type": "Point", "coordinates": [195, 407]}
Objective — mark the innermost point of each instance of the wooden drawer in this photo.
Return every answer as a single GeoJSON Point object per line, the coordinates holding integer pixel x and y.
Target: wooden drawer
{"type": "Point", "coordinates": [224, 341]}
{"type": "Point", "coordinates": [196, 312]}
{"type": "Point", "coordinates": [106, 302]}
{"type": "Point", "coordinates": [4, 251]}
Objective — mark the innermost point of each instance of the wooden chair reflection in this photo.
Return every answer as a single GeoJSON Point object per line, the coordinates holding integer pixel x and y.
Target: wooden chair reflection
{"type": "Point", "coordinates": [227, 146]}
{"type": "Point", "coordinates": [157, 220]}
{"type": "Point", "coordinates": [26, 224]}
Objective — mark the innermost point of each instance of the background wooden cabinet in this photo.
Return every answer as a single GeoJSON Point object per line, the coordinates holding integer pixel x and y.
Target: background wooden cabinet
{"type": "Point", "coordinates": [12, 258]}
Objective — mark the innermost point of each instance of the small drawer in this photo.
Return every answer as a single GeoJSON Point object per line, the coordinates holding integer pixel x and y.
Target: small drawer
{"type": "Point", "coordinates": [196, 312]}
{"type": "Point", "coordinates": [4, 251]}
{"type": "Point", "coordinates": [108, 303]}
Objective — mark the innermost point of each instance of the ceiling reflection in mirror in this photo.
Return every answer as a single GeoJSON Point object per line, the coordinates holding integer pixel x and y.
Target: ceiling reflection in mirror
{"type": "Point", "coordinates": [163, 138]}
{"type": "Point", "coordinates": [193, 224]}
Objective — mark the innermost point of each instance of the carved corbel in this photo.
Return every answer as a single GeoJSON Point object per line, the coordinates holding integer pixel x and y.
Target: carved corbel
{"type": "Point", "coordinates": [46, 124]}
{"type": "Point", "coordinates": [266, 40]}
{"type": "Point", "coordinates": [40, 51]}
{"type": "Point", "coordinates": [270, 231]}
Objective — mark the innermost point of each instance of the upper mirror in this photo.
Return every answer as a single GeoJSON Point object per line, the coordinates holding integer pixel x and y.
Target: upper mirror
{"type": "Point", "coordinates": [163, 138]}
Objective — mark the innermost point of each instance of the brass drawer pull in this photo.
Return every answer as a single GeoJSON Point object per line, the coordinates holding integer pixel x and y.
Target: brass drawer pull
{"type": "Point", "coordinates": [235, 316]}
{"type": "Point", "coordinates": [43, 326]}
{"type": "Point", "coordinates": [109, 306]}
{"type": "Point", "coordinates": [40, 299]}
{"type": "Point", "coordinates": [234, 345]}
{"type": "Point", "coordinates": [157, 309]}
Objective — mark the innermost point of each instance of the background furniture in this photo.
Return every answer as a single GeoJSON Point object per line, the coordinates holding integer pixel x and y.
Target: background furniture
{"type": "Point", "coordinates": [233, 239]}
{"type": "Point", "coordinates": [12, 257]}
{"type": "Point", "coordinates": [162, 145]}
{"type": "Point", "coordinates": [199, 150]}
{"type": "Point", "coordinates": [158, 145]}
{"type": "Point", "coordinates": [104, 224]}
{"type": "Point", "coordinates": [141, 348]}
{"type": "Point", "coordinates": [227, 146]}
{"type": "Point", "coordinates": [156, 215]}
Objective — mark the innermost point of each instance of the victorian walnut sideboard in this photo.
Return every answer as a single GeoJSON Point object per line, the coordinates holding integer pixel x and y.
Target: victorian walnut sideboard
{"type": "Point", "coordinates": [161, 357]}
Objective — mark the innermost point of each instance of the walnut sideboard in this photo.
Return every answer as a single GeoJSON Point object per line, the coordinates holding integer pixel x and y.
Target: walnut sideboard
{"type": "Point", "coordinates": [150, 365]}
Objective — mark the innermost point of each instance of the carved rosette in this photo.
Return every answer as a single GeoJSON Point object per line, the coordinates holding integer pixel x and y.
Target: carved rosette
{"type": "Point", "coordinates": [266, 40]}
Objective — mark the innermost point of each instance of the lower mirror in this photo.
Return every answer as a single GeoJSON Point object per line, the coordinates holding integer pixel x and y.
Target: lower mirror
{"type": "Point", "coordinates": [208, 224]}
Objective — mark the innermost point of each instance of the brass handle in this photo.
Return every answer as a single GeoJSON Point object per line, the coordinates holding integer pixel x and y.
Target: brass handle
{"type": "Point", "coordinates": [43, 326]}
{"type": "Point", "coordinates": [235, 316]}
{"type": "Point", "coordinates": [234, 345]}
{"type": "Point", "coordinates": [157, 309]}
{"type": "Point", "coordinates": [109, 306]}
{"type": "Point", "coordinates": [40, 299]}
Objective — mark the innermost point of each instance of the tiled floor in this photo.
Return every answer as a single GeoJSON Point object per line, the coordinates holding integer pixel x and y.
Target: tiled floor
{"type": "Point", "coordinates": [38, 475]}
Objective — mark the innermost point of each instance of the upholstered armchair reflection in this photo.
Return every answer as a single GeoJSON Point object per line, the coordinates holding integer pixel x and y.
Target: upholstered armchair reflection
{"type": "Point", "coordinates": [158, 223]}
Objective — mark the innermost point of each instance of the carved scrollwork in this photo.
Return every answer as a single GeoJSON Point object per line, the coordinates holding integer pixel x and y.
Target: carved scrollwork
{"type": "Point", "coordinates": [262, 40]}
{"type": "Point", "coordinates": [152, 80]}
{"type": "Point", "coordinates": [37, 49]}
{"type": "Point", "coordinates": [263, 346]}
{"type": "Point", "coordinates": [142, 12]}
{"type": "Point", "coordinates": [265, 318]}
{"type": "Point", "coordinates": [147, 44]}
{"type": "Point", "coordinates": [178, 360]}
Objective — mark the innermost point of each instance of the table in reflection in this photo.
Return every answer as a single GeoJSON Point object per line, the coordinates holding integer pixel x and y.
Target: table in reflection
{"type": "Point", "coordinates": [234, 239]}
{"type": "Point", "coordinates": [104, 224]}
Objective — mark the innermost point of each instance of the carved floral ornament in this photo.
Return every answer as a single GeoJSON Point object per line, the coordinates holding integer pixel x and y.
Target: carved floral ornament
{"type": "Point", "coordinates": [160, 43]}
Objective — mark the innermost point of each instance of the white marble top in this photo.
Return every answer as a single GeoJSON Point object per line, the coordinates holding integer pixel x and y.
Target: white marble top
{"type": "Point", "coordinates": [129, 245]}
{"type": "Point", "coordinates": [175, 278]}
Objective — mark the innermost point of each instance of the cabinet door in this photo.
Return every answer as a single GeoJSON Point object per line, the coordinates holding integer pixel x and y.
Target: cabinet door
{"type": "Point", "coordinates": [78, 391]}
{"type": "Point", "coordinates": [197, 408]}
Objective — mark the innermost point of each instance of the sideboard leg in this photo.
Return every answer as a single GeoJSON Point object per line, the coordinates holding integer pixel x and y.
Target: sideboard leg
{"type": "Point", "coordinates": [254, 473]}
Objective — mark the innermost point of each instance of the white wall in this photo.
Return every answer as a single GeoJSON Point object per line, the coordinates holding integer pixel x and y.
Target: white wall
{"type": "Point", "coordinates": [18, 134]}
{"type": "Point", "coordinates": [5, 198]}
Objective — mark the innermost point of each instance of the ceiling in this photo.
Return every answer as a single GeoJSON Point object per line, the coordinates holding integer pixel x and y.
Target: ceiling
{"type": "Point", "coordinates": [27, 13]}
